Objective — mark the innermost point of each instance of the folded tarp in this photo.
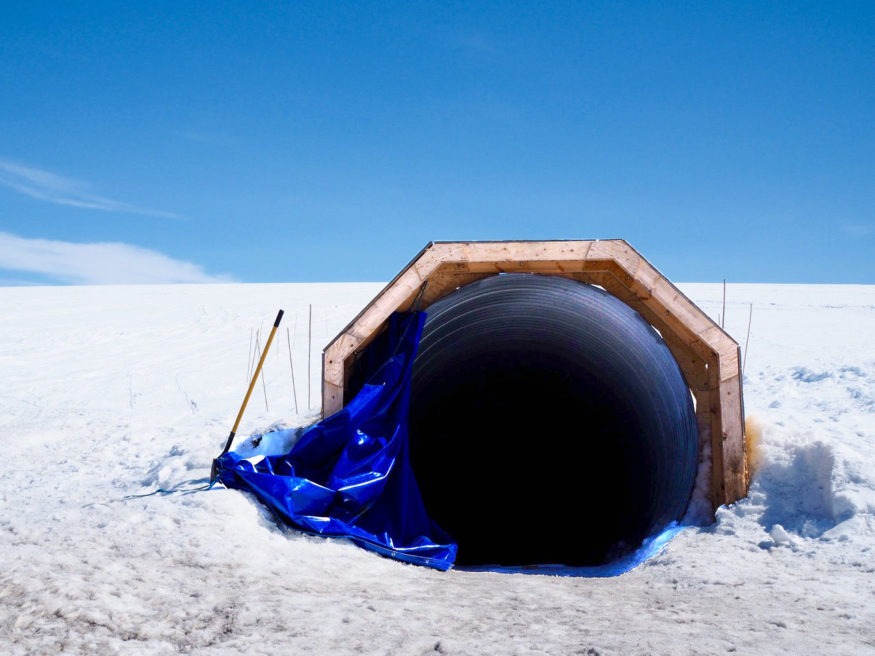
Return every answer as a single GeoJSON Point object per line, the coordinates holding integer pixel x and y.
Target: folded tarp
{"type": "Point", "coordinates": [349, 475]}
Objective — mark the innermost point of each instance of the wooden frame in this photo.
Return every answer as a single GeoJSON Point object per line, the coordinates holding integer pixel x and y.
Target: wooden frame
{"type": "Point", "coordinates": [707, 355]}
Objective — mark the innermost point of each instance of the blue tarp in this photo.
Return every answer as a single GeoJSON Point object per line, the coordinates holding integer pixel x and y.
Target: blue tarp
{"type": "Point", "coordinates": [349, 475]}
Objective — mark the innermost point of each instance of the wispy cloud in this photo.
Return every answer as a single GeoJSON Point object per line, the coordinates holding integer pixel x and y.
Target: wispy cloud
{"type": "Point", "coordinates": [53, 188]}
{"type": "Point", "coordinates": [858, 229]}
{"type": "Point", "coordinates": [208, 138]}
{"type": "Point", "coordinates": [97, 263]}
{"type": "Point", "coordinates": [476, 42]}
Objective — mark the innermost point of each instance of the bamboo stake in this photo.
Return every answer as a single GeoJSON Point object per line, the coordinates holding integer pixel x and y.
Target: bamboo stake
{"type": "Point", "coordinates": [292, 369]}
{"type": "Point", "coordinates": [309, 354]}
{"type": "Point", "coordinates": [264, 387]}
{"type": "Point", "coordinates": [254, 352]}
{"type": "Point", "coordinates": [276, 323]}
{"type": "Point", "coordinates": [747, 339]}
{"type": "Point", "coordinates": [257, 354]}
{"type": "Point", "coordinates": [249, 357]}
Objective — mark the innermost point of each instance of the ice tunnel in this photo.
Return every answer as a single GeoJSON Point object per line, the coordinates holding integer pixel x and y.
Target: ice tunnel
{"type": "Point", "coordinates": [549, 423]}
{"type": "Point", "coordinates": [562, 400]}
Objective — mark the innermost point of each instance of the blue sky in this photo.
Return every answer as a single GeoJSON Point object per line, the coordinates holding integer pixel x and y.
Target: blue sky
{"type": "Point", "coordinates": [330, 141]}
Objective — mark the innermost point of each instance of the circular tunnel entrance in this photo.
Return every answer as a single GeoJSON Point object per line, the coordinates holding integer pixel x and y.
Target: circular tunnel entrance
{"type": "Point", "coordinates": [549, 423]}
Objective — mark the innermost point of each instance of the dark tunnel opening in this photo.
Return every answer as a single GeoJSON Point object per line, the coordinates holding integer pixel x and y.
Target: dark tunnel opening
{"type": "Point", "coordinates": [549, 423]}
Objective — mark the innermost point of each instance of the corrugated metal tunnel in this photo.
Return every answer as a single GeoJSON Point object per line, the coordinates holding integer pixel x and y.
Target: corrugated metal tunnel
{"type": "Point", "coordinates": [552, 417]}
{"type": "Point", "coordinates": [549, 423]}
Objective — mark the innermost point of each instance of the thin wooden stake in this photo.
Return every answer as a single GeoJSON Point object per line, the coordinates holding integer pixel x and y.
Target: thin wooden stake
{"type": "Point", "coordinates": [249, 357]}
{"type": "Point", "coordinates": [747, 339]}
{"type": "Point", "coordinates": [292, 369]}
{"type": "Point", "coordinates": [264, 388]}
{"type": "Point", "coordinates": [309, 354]}
{"type": "Point", "coordinates": [255, 351]}
{"type": "Point", "coordinates": [723, 320]}
{"type": "Point", "coordinates": [257, 355]}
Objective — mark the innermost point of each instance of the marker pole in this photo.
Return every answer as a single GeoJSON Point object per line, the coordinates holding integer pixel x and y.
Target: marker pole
{"type": "Point", "coordinates": [276, 324]}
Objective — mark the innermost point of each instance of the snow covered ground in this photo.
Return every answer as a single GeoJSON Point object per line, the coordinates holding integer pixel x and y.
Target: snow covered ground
{"type": "Point", "coordinates": [110, 393]}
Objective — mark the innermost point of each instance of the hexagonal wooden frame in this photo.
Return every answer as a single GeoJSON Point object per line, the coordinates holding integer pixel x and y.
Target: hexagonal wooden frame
{"type": "Point", "coordinates": [707, 355]}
